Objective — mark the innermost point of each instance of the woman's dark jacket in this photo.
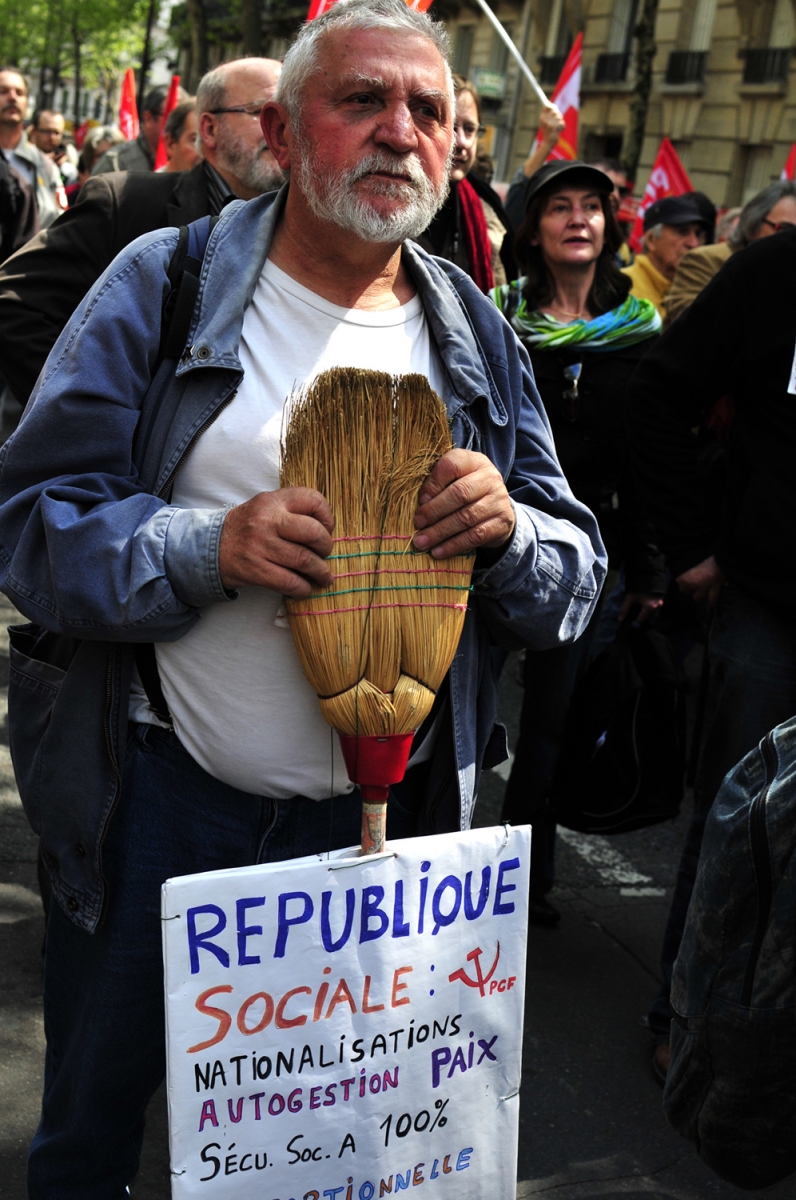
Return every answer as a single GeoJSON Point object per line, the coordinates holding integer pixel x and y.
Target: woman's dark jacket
{"type": "Point", "coordinates": [443, 237]}
{"type": "Point", "coordinates": [589, 433]}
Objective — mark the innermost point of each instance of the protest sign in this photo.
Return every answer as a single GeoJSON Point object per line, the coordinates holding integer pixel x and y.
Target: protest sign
{"type": "Point", "coordinates": [349, 1027]}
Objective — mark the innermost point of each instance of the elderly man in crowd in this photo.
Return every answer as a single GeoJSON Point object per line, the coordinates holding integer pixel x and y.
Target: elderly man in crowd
{"type": "Point", "coordinates": [140, 503]}
{"type": "Point", "coordinates": [769, 212]}
{"type": "Point", "coordinates": [672, 227]}
{"type": "Point", "coordinates": [42, 286]}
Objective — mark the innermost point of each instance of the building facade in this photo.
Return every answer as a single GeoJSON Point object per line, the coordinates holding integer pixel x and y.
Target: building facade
{"type": "Point", "coordinates": [724, 82]}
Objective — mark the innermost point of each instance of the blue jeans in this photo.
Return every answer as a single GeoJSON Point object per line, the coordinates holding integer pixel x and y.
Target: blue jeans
{"type": "Point", "coordinates": [103, 996]}
{"type": "Point", "coordinates": [752, 689]}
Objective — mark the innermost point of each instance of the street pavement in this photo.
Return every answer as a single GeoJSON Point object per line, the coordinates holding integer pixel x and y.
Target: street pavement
{"type": "Point", "coordinates": [591, 1123]}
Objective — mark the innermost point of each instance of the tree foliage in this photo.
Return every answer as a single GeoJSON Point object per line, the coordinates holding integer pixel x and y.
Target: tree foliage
{"type": "Point", "coordinates": [85, 41]}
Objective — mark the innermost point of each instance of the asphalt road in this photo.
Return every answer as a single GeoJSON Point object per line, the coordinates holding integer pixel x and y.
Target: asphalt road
{"type": "Point", "coordinates": [591, 1120]}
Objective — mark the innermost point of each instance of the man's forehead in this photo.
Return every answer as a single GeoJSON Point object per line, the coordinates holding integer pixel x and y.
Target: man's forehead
{"type": "Point", "coordinates": [10, 79]}
{"type": "Point", "coordinates": [382, 59]}
{"type": "Point", "coordinates": [250, 83]}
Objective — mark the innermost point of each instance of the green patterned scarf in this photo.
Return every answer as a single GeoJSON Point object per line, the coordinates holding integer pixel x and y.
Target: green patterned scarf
{"type": "Point", "coordinates": [631, 322]}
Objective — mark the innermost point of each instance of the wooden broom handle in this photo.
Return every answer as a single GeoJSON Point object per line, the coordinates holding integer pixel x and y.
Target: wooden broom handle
{"type": "Point", "coordinates": [374, 827]}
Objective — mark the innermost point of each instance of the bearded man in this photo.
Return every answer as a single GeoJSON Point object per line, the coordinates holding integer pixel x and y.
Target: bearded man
{"type": "Point", "coordinates": [140, 503]}
{"type": "Point", "coordinates": [41, 286]}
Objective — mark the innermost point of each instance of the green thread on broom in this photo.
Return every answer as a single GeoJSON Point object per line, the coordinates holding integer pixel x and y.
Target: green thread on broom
{"type": "Point", "coordinates": [420, 587]}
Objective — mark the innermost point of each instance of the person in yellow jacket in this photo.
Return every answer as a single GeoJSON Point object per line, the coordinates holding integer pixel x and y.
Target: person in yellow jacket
{"type": "Point", "coordinates": [672, 227]}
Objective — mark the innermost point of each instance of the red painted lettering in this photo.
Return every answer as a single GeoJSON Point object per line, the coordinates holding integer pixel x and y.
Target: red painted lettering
{"type": "Point", "coordinates": [283, 1022]}
{"type": "Point", "coordinates": [367, 1007]}
{"type": "Point", "coordinates": [220, 1014]}
{"type": "Point", "coordinates": [399, 987]}
{"type": "Point", "coordinates": [265, 1019]}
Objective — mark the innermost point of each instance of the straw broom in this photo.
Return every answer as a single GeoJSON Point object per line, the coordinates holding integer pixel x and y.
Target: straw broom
{"type": "Point", "coordinates": [378, 643]}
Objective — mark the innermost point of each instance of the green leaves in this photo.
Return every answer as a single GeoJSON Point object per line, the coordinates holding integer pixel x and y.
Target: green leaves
{"type": "Point", "coordinates": [104, 34]}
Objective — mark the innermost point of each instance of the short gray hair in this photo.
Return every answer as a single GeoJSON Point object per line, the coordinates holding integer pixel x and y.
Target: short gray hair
{"type": "Point", "coordinates": [754, 213]}
{"type": "Point", "coordinates": [212, 90]}
{"type": "Point", "coordinates": [394, 15]}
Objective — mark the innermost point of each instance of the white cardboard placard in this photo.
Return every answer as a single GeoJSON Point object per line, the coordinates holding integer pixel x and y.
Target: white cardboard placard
{"type": "Point", "coordinates": [349, 1028]}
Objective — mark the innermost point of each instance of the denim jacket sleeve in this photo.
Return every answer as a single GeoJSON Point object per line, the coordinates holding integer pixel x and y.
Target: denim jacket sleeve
{"type": "Point", "coordinates": [85, 548]}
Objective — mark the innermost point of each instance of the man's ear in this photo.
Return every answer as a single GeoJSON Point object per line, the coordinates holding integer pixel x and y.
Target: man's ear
{"type": "Point", "coordinates": [275, 124]}
{"type": "Point", "coordinates": [207, 130]}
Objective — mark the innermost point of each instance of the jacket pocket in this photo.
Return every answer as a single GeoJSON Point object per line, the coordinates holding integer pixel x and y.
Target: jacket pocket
{"type": "Point", "coordinates": [38, 664]}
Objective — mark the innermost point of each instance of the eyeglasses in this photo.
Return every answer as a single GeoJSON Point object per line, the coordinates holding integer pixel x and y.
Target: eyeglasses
{"type": "Point", "coordinates": [778, 226]}
{"type": "Point", "coordinates": [251, 110]}
{"type": "Point", "coordinates": [469, 132]}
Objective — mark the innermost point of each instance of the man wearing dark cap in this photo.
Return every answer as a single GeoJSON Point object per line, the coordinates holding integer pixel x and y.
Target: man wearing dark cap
{"type": "Point", "coordinates": [672, 227]}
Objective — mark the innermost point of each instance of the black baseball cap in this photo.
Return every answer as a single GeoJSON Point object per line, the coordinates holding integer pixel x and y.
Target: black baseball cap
{"type": "Point", "coordinates": [675, 210]}
{"type": "Point", "coordinates": [567, 173]}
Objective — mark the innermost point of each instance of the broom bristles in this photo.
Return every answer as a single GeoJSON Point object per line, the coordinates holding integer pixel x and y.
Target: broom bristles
{"type": "Point", "coordinates": [376, 645]}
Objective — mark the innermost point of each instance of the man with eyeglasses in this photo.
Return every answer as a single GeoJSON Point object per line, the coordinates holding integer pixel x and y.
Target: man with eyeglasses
{"type": "Point", "coordinates": [229, 102]}
{"type": "Point", "coordinates": [42, 285]}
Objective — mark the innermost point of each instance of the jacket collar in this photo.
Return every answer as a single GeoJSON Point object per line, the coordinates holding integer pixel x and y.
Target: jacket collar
{"type": "Point", "coordinates": [452, 330]}
{"type": "Point", "coordinates": [244, 233]}
{"type": "Point", "coordinates": [189, 200]}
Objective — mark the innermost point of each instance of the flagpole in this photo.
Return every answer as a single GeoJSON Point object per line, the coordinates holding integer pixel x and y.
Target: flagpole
{"type": "Point", "coordinates": [521, 63]}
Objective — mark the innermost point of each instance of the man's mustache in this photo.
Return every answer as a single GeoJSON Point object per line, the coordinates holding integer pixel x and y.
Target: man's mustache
{"type": "Point", "coordinates": [398, 168]}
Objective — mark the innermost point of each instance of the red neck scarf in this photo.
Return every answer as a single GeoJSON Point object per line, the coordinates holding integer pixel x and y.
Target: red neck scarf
{"type": "Point", "coordinates": [476, 236]}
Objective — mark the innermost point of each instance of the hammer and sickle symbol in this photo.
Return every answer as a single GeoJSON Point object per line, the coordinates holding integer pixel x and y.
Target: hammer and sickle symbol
{"type": "Point", "coordinates": [480, 980]}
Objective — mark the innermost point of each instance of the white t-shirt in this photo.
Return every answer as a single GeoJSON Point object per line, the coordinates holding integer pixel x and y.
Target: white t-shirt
{"type": "Point", "coordinates": [238, 697]}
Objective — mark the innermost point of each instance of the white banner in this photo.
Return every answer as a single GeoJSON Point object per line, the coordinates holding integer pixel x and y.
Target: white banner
{"type": "Point", "coordinates": [349, 1028]}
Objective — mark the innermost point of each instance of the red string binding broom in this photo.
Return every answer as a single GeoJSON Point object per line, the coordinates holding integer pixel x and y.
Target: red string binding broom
{"type": "Point", "coordinates": [378, 643]}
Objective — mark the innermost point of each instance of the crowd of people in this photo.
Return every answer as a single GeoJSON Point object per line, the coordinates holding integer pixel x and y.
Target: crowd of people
{"type": "Point", "coordinates": [609, 410]}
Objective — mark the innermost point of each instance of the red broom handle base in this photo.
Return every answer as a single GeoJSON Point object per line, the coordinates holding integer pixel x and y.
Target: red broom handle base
{"type": "Point", "coordinates": [374, 827]}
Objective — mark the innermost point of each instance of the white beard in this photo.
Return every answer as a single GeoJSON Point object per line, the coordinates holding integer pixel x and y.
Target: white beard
{"type": "Point", "coordinates": [333, 197]}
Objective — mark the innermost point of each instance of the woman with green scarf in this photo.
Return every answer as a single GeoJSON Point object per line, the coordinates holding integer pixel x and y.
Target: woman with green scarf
{"type": "Point", "coordinates": [572, 311]}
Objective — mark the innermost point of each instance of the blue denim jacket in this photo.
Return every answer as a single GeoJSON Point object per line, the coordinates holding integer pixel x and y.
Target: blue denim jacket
{"type": "Point", "coordinates": [94, 554]}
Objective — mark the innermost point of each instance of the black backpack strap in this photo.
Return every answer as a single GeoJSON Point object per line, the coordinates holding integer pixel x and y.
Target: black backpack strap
{"type": "Point", "coordinates": [185, 267]}
{"type": "Point", "coordinates": [184, 270]}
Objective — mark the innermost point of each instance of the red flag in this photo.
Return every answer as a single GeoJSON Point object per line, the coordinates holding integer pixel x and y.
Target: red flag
{"type": "Point", "coordinates": [567, 97]}
{"type": "Point", "coordinates": [161, 158]}
{"type": "Point", "coordinates": [128, 112]}
{"type": "Point", "coordinates": [319, 7]}
{"type": "Point", "coordinates": [789, 170]}
{"type": "Point", "coordinates": [80, 134]}
{"type": "Point", "coordinates": [668, 178]}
